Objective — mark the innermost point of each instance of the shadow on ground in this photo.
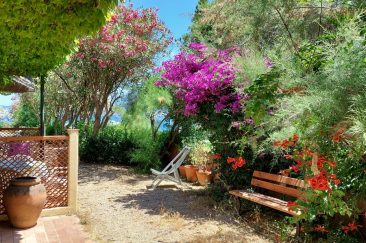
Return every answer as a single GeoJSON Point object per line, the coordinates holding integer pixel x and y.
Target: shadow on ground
{"type": "Point", "coordinates": [97, 173]}
{"type": "Point", "coordinates": [191, 204]}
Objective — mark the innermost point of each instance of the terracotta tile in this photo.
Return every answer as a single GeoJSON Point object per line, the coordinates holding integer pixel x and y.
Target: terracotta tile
{"type": "Point", "coordinates": [18, 236]}
{"type": "Point", "coordinates": [56, 229]}
{"type": "Point", "coordinates": [31, 239]}
{"type": "Point", "coordinates": [78, 241]}
{"type": "Point", "coordinates": [41, 237]}
{"type": "Point", "coordinates": [7, 240]}
{"type": "Point", "coordinates": [7, 235]}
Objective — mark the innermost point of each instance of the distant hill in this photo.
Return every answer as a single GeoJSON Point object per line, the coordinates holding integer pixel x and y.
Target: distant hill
{"type": "Point", "coordinates": [5, 115]}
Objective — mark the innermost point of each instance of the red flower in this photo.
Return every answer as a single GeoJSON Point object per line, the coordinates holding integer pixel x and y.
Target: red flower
{"type": "Point", "coordinates": [295, 168]}
{"type": "Point", "coordinates": [350, 227]}
{"type": "Point", "coordinates": [319, 182]}
{"type": "Point", "coordinates": [287, 143]}
{"type": "Point", "coordinates": [277, 238]}
{"type": "Point", "coordinates": [292, 205]}
{"type": "Point", "coordinates": [277, 143]}
{"type": "Point", "coordinates": [216, 156]}
{"type": "Point", "coordinates": [321, 228]}
{"type": "Point", "coordinates": [298, 162]}
{"type": "Point", "coordinates": [287, 156]}
{"type": "Point", "coordinates": [338, 135]}
{"type": "Point", "coordinates": [336, 138]}
{"type": "Point", "coordinates": [331, 163]}
{"type": "Point", "coordinates": [337, 182]}
{"type": "Point", "coordinates": [237, 162]}
{"type": "Point", "coordinates": [320, 162]}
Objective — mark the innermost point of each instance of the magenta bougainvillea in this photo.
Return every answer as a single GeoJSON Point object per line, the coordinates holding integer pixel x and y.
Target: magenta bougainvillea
{"type": "Point", "coordinates": [202, 77]}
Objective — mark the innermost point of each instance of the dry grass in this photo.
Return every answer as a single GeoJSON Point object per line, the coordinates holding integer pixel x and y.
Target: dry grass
{"type": "Point", "coordinates": [219, 237]}
{"type": "Point", "coordinates": [86, 221]}
{"type": "Point", "coordinates": [202, 202]}
{"type": "Point", "coordinates": [173, 219]}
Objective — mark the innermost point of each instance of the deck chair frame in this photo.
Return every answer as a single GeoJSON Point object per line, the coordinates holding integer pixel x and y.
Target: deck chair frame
{"type": "Point", "coordinates": [171, 168]}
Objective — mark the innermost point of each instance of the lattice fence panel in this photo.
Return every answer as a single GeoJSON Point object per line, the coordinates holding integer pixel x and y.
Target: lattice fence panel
{"type": "Point", "coordinates": [18, 132]}
{"type": "Point", "coordinates": [47, 159]}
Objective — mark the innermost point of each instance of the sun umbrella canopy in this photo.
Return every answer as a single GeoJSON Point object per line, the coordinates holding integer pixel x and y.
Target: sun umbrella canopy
{"type": "Point", "coordinates": [19, 84]}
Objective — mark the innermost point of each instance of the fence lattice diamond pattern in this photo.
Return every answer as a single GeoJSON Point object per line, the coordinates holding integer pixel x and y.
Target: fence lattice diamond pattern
{"type": "Point", "coordinates": [47, 159]}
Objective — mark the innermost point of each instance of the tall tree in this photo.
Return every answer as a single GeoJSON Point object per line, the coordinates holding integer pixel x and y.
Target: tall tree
{"type": "Point", "coordinates": [37, 35]}
{"type": "Point", "coordinates": [226, 23]}
{"type": "Point", "coordinates": [106, 64]}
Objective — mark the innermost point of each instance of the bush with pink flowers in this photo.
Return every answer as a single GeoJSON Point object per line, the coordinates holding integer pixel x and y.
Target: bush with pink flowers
{"type": "Point", "coordinates": [202, 77]}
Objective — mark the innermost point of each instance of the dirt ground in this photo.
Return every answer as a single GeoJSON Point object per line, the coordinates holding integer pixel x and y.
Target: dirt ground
{"type": "Point", "coordinates": [115, 206]}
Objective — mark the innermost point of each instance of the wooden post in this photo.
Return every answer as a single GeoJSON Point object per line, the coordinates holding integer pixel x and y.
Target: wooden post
{"type": "Point", "coordinates": [41, 108]}
{"type": "Point", "coordinates": [73, 168]}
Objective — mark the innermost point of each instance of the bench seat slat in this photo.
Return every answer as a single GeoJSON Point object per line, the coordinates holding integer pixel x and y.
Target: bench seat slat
{"type": "Point", "coordinates": [277, 188]}
{"type": "Point", "coordinates": [279, 178]}
{"type": "Point", "coordinates": [268, 201]}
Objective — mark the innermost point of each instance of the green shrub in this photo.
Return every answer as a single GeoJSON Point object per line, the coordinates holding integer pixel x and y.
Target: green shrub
{"type": "Point", "coordinates": [147, 152]}
{"type": "Point", "coordinates": [112, 146]}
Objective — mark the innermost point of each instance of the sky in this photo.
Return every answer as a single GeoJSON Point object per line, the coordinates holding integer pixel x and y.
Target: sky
{"type": "Point", "coordinates": [176, 14]}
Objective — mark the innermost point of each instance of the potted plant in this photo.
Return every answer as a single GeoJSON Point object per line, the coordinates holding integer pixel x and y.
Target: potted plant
{"type": "Point", "coordinates": [191, 172]}
{"type": "Point", "coordinates": [201, 156]}
{"type": "Point", "coordinates": [182, 171]}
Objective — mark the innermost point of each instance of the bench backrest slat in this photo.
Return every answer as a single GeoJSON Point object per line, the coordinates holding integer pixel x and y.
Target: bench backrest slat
{"type": "Point", "coordinates": [277, 188]}
{"type": "Point", "coordinates": [280, 179]}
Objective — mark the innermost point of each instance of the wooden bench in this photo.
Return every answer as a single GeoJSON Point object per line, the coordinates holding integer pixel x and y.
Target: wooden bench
{"type": "Point", "coordinates": [275, 183]}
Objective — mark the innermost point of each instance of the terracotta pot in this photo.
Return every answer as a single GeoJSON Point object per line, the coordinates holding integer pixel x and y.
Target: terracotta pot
{"type": "Point", "coordinates": [204, 177]}
{"type": "Point", "coordinates": [361, 204]}
{"type": "Point", "coordinates": [24, 200]}
{"type": "Point", "coordinates": [191, 173]}
{"type": "Point", "coordinates": [182, 171]}
{"type": "Point", "coordinates": [212, 166]}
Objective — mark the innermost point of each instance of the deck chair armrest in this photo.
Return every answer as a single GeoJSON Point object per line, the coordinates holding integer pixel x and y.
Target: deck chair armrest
{"type": "Point", "coordinates": [155, 172]}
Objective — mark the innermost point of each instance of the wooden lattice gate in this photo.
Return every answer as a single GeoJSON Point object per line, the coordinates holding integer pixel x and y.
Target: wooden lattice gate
{"type": "Point", "coordinates": [50, 158]}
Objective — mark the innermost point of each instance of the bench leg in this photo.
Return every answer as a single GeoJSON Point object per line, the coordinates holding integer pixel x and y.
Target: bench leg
{"type": "Point", "coordinates": [298, 230]}
{"type": "Point", "coordinates": [238, 205]}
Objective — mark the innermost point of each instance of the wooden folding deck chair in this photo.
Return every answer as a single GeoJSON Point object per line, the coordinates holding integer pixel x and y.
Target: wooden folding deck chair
{"type": "Point", "coordinates": [171, 168]}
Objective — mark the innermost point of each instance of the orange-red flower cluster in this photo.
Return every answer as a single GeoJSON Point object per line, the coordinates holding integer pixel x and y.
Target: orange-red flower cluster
{"type": "Point", "coordinates": [350, 227]}
{"type": "Point", "coordinates": [321, 181]}
{"type": "Point", "coordinates": [305, 157]}
{"type": "Point", "coordinates": [321, 228]}
{"type": "Point", "coordinates": [236, 162]}
{"type": "Point", "coordinates": [318, 182]}
{"type": "Point", "coordinates": [339, 135]}
{"type": "Point", "coordinates": [285, 144]}
{"type": "Point", "coordinates": [292, 205]}
{"type": "Point", "coordinates": [216, 156]}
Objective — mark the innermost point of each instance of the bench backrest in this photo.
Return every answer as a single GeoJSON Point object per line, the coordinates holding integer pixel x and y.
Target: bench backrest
{"type": "Point", "coordinates": [278, 183]}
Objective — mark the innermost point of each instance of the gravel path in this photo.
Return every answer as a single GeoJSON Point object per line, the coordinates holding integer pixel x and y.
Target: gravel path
{"type": "Point", "coordinates": [115, 206]}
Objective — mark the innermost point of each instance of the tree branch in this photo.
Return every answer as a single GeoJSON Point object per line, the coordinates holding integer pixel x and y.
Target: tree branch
{"type": "Point", "coordinates": [286, 27]}
{"type": "Point", "coordinates": [64, 81]}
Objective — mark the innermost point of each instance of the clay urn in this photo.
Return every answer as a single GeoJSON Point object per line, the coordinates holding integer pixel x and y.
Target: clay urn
{"type": "Point", "coordinates": [24, 200]}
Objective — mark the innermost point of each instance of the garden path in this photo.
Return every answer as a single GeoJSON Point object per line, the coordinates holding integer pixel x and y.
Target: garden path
{"type": "Point", "coordinates": [116, 207]}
